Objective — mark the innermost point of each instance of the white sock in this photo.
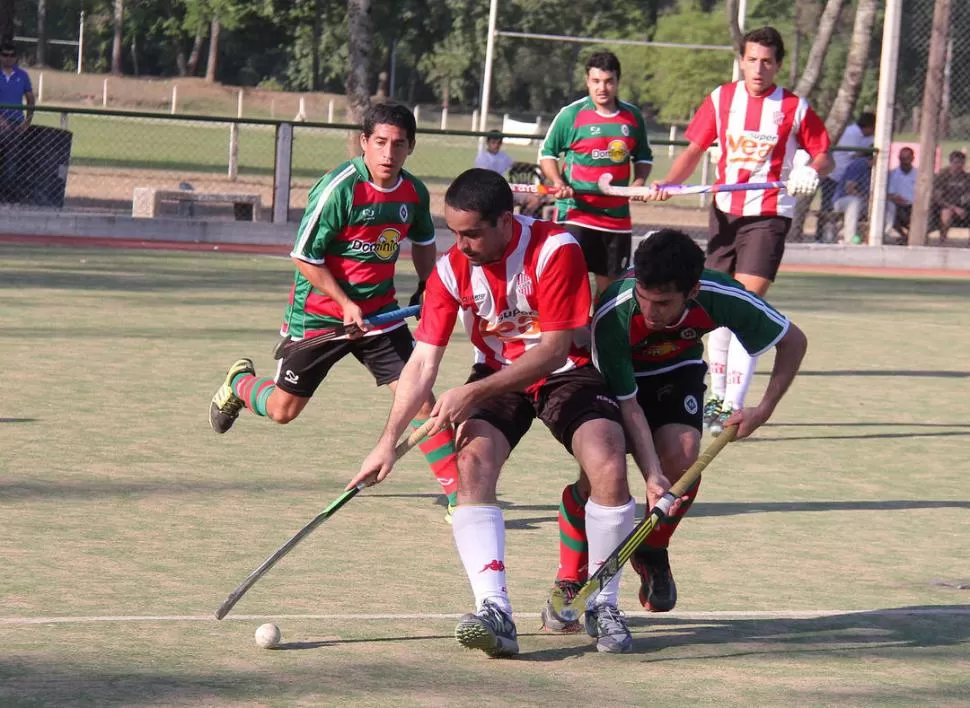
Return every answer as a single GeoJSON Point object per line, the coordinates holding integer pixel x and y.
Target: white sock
{"type": "Point", "coordinates": [741, 366]}
{"type": "Point", "coordinates": [479, 533]}
{"type": "Point", "coordinates": [606, 527]}
{"type": "Point", "coordinates": [717, 358]}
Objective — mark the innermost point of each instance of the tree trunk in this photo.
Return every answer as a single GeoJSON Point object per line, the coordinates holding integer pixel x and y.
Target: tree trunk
{"type": "Point", "coordinates": [193, 64]}
{"type": "Point", "coordinates": [820, 47]}
{"type": "Point", "coordinates": [41, 33]}
{"type": "Point", "coordinates": [116, 44]}
{"type": "Point", "coordinates": [213, 61]}
{"type": "Point", "coordinates": [8, 11]}
{"type": "Point", "coordinates": [845, 99]}
{"type": "Point", "coordinates": [134, 54]}
{"type": "Point", "coordinates": [181, 65]}
{"type": "Point", "coordinates": [929, 125]}
{"type": "Point", "coordinates": [315, 49]}
{"type": "Point", "coordinates": [361, 36]}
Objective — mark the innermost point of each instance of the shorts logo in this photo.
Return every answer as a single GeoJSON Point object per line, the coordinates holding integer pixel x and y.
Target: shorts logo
{"type": "Point", "coordinates": [403, 213]}
{"type": "Point", "coordinates": [690, 404]}
{"type": "Point", "coordinates": [385, 247]}
{"type": "Point", "coordinates": [689, 333]}
{"type": "Point", "coordinates": [291, 377]}
{"type": "Point", "coordinates": [607, 399]}
{"type": "Point", "coordinates": [625, 129]}
{"type": "Point", "coordinates": [615, 152]}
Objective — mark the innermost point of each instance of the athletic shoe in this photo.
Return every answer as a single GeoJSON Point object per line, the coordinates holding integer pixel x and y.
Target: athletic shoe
{"type": "Point", "coordinates": [711, 410]}
{"type": "Point", "coordinates": [450, 513]}
{"type": "Point", "coordinates": [226, 405]}
{"type": "Point", "coordinates": [658, 591]}
{"type": "Point", "coordinates": [717, 425]}
{"type": "Point", "coordinates": [608, 626]}
{"type": "Point", "coordinates": [551, 622]}
{"type": "Point", "coordinates": [491, 629]}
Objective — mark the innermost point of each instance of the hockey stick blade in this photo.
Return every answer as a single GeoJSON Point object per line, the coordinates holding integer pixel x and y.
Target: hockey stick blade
{"type": "Point", "coordinates": [570, 609]}
{"type": "Point", "coordinates": [287, 347]}
{"type": "Point", "coordinates": [679, 190]}
{"type": "Point", "coordinates": [413, 439]}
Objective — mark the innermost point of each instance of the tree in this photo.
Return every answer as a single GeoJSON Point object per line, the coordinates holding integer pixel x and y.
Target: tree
{"type": "Point", "coordinates": [361, 36]}
{"type": "Point", "coordinates": [8, 12]}
{"type": "Point", "coordinates": [213, 60]}
{"type": "Point", "coordinates": [41, 33]}
{"type": "Point", "coordinates": [116, 44]}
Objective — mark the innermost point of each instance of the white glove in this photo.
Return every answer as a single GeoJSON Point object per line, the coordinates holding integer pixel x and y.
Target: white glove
{"type": "Point", "coordinates": [802, 181]}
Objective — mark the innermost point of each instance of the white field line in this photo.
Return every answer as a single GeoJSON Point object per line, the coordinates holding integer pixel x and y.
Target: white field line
{"type": "Point", "coordinates": [691, 616]}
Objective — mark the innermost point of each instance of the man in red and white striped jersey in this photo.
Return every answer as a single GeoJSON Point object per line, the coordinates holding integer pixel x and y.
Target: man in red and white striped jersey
{"type": "Point", "coordinates": [522, 291]}
{"type": "Point", "coordinates": [759, 126]}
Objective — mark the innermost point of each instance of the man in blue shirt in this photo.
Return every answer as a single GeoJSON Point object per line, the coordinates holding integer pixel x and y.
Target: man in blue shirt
{"type": "Point", "coordinates": [15, 88]}
{"type": "Point", "coordinates": [852, 195]}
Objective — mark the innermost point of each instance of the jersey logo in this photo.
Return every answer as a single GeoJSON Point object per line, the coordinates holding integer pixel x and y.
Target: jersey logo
{"type": "Point", "coordinates": [690, 404]}
{"type": "Point", "coordinates": [778, 117]}
{"type": "Point", "coordinates": [385, 247]}
{"type": "Point", "coordinates": [625, 129]}
{"type": "Point", "coordinates": [594, 130]}
{"type": "Point", "coordinates": [689, 333]}
{"type": "Point", "coordinates": [523, 285]}
{"type": "Point", "coordinates": [511, 324]}
{"type": "Point", "coordinates": [404, 213]}
{"type": "Point", "coordinates": [749, 147]}
{"type": "Point", "coordinates": [662, 349]}
{"type": "Point", "coordinates": [368, 214]}
{"type": "Point", "coordinates": [615, 152]}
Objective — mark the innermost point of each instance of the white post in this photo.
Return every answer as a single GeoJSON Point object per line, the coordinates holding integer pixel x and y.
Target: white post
{"type": "Point", "coordinates": [234, 151]}
{"type": "Point", "coordinates": [487, 78]}
{"type": "Point", "coordinates": [417, 113]}
{"type": "Point", "coordinates": [705, 174]}
{"type": "Point", "coordinates": [104, 94]}
{"type": "Point", "coordinates": [272, 108]}
{"type": "Point", "coordinates": [239, 104]}
{"type": "Point", "coordinates": [283, 173]}
{"type": "Point", "coordinates": [65, 121]}
{"type": "Point", "coordinates": [175, 98]}
{"type": "Point", "coordinates": [80, 44]}
{"type": "Point", "coordinates": [883, 137]}
{"type": "Point", "coordinates": [444, 119]}
{"type": "Point", "coordinates": [40, 88]}
{"type": "Point", "coordinates": [474, 119]}
{"type": "Point", "coordinates": [330, 111]}
{"type": "Point", "coordinates": [673, 136]}
{"type": "Point", "coordinates": [742, 16]}
{"type": "Point", "coordinates": [301, 113]}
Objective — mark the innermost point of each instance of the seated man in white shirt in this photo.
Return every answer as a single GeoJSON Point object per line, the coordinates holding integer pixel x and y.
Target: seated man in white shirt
{"type": "Point", "coordinates": [852, 196]}
{"type": "Point", "coordinates": [494, 158]}
{"type": "Point", "coordinates": [856, 135]}
{"type": "Point", "coordinates": [902, 190]}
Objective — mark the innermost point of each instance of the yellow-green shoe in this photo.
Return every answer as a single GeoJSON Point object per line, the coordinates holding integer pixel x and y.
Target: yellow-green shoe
{"type": "Point", "coordinates": [226, 405]}
{"type": "Point", "coordinates": [450, 513]}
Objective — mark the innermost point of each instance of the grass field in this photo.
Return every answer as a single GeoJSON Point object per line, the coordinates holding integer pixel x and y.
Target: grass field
{"type": "Point", "coordinates": [808, 570]}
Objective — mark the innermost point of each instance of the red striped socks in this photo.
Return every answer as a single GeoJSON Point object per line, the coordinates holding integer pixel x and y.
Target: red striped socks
{"type": "Point", "coordinates": [253, 391]}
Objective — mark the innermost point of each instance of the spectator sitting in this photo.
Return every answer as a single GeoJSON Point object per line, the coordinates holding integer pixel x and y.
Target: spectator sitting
{"type": "Point", "coordinates": [951, 195]}
{"type": "Point", "coordinates": [494, 158]}
{"type": "Point", "coordinates": [852, 195]}
{"type": "Point", "coordinates": [902, 190]}
{"type": "Point", "coordinates": [15, 88]}
{"type": "Point", "coordinates": [857, 135]}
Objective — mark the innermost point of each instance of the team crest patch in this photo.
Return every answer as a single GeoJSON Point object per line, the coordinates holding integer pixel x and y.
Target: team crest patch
{"type": "Point", "coordinates": [690, 404]}
{"type": "Point", "coordinates": [404, 213]}
{"type": "Point", "coordinates": [625, 129]}
{"type": "Point", "coordinates": [689, 333]}
{"type": "Point", "coordinates": [523, 285]}
{"type": "Point", "coordinates": [778, 117]}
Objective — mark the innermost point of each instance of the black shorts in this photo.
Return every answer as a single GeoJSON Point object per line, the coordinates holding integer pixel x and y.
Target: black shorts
{"type": "Point", "coordinates": [564, 402]}
{"type": "Point", "coordinates": [607, 253]}
{"type": "Point", "coordinates": [746, 244]}
{"type": "Point", "coordinates": [675, 396]}
{"type": "Point", "coordinates": [384, 355]}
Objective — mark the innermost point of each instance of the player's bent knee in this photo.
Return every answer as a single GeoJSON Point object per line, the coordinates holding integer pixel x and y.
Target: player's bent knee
{"type": "Point", "coordinates": [477, 477]}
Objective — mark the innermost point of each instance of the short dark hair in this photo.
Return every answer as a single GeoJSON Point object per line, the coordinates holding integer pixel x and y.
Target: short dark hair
{"type": "Point", "coordinates": [668, 257]}
{"type": "Point", "coordinates": [909, 150]}
{"type": "Point", "coordinates": [766, 37]}
{"type": "Point", "coordinates": [390, 114]}
{"type": "Point", "coordinates": [494, 135]}
{"type": "Point", "coordinates": [957, 155]}
{"type": "Point", "coordinates": [8, 47]}
{"type": "Point", "coordinates": [604, 61]}
{"type": "Point", "coordinates": [866, 120]}
{"type": "Point", "coordinates": [482, 191]}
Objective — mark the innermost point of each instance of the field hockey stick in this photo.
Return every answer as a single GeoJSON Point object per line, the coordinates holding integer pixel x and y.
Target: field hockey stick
{"type": "Point", "coordinates": [533, 189]}
{"type": "Point", "coordinates": [286, 346]}
{"type": "Point", "coordinates": [680, 190]}
{"type": "Point", "coordinates": [569, 609]}
{"type": "Point", "coordinates": [413, 439]}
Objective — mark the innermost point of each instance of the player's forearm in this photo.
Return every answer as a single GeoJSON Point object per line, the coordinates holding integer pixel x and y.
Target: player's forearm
{"type": "Point", "coordinates": [413, 389]}
{"type": "Point", "coordinates": [550, 168]}
{"type": "Point", "coordinates": [789, 353]}
{"type": "Point", "coordinates": [640, 438]}
{"type": "Point", "coordinates": [533, 365]}
{"type": "Point", "coordinates": [641, 172]}
{"type": "Point", "coordinates": [423, 258]}
{"type": "Point", "coordinates": [822, 163]}
{"type": "Point", "coordinates": [322, 279]}
{"type": "Point", "coordinates": [684, 164]}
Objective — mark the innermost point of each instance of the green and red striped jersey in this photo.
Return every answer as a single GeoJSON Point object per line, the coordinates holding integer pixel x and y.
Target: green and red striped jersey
{"type": "Point", "coordinates": [594, 144]}
{"type": "Point", "coordinates": [354, 228]}
{"type": "Point", "coordinates": [625, 348]}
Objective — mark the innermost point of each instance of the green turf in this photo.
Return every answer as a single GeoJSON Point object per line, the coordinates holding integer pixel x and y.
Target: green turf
{"type": "Point", "coordinates": [117, 500]}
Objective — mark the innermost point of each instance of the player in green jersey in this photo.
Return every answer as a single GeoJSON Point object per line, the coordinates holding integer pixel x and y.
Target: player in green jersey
{"type": "Point", "coordinates": [647, 332]}
{"type": "Point", "coordinates": [346, 249]}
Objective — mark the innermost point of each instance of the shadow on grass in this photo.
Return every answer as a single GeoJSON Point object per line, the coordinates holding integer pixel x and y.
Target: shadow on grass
{"type": "Point", "coordinates": [870, 436]}
{"type": "Point", "coordinates": [900, 373]}
{"type": "Point", "coordinates": [862, 634]}
{"type": "Point", "coordinates": [19, 420]}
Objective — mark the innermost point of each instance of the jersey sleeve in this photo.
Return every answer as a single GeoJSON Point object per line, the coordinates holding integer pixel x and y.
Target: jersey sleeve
{"type": "Point", "coordinates": [702, 129]}
{"type": "Point", "coordinates": [439, 311]}
{"type": "Point", "coordinates": [28, 87]}
{"type": "Point", "coordinates": [325, 216]}
{"type": "Point", "coordinates": [563, 289]}
{"type": "Point", "coordinates": [422, 230]}
{"type": "Point", "coordinates": [612, 355]}
{"type": "Point", "coordinates": [812, 134]}
{"type": "Point", "coordinates": [644, 152]}
{"type": "Point", "coordinates": [756, 324]}
{"type": "Point", "coordinates": [557, 137]}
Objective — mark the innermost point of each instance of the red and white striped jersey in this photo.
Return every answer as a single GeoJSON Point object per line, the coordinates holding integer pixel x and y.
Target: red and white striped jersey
{"type": "Point", "coordinates": [539, 285]}
{"type": "Point", "coordinates": [758, 136]}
